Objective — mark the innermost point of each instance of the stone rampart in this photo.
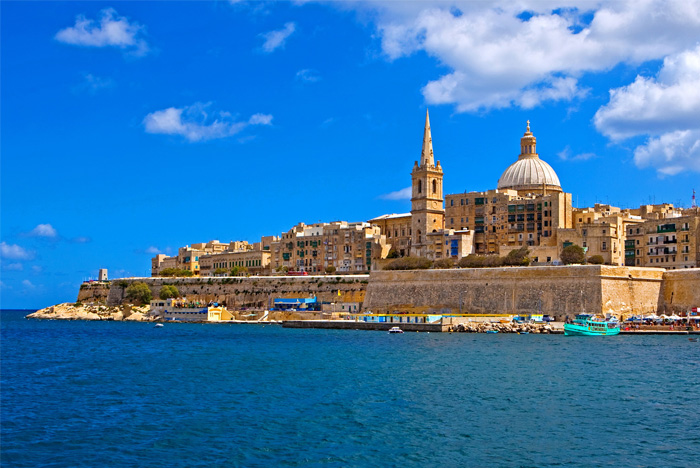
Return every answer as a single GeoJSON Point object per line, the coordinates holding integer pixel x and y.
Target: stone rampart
{"type": "Point", "coordinates": [557, 291]}
{"type": "Point", "coordinates": [680, 291]}
{"type": "Point", "coordinates": [254, 291]}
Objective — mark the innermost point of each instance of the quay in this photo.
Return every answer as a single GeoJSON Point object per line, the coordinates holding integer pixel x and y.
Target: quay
{"type": "Point", "coordinates": [353, 325]}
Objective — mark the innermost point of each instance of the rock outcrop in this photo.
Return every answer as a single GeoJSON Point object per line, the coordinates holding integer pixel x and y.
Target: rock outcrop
{"type": "Point", "coordinates": [69, 311]}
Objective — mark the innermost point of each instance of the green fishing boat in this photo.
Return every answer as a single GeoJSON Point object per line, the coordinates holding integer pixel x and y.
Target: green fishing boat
{"type": "Point", "coordinates": [591, 325]}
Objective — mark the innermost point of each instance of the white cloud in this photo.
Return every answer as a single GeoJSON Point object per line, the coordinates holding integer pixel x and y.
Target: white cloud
{"type": "Point", "coordinates": [92, 84]}
{"type": "Point", "coordinates": [260, 119]}
{"type": "Point", "coordinates": [37, 268]}
{"type": "Point", "coordinates": [403, 194]}
{"type": "Point", "coordinates": [666, 108]}
{"type": "Point", "coordinates": [3, 285]}
{"type": "Point", "coordinates": [12, 266]}
{"type": "Point", "coordinates": [81, 240]}
{"type": "Point", "coordinates": [565, 155]}
{"type": "Point", "coordinates": [671, 153]}
{"type": "Point", "coordinates": [196, 124]}
{"type": "Point", "coordinates": [153, 250]}
{"type": "Point", "coordinates": [503, 54]}
{"type": "Point", "coordinates": [28, 284]}
{"type": "Point", "coordinates": [44, 230]}
{"type": "Point", "coordinates": [276, 39]}
{"type": "Point", "coordinates": [670, 101]}
{"type": "Point", "coordinates": [308, 76]}
{"type": "Point", "coordinates": [112, 30]}
{"type": "Point", "coordinates": [14, 252]}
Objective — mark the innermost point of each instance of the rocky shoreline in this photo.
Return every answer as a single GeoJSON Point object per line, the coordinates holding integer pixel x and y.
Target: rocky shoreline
{"type": "Point", "coordinates": [70, 311]}
{"type": "Point", "coordinates": [486, 327]}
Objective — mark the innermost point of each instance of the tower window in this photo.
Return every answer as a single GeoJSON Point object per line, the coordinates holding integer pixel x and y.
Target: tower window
{"type": "Point", "coordinates": [420, 186]}
{"type": "Point", "coordinates": [434, 186]}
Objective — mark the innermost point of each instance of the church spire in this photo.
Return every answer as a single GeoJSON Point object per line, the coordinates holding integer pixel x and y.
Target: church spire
{"type": "Point", "coordinates": [426, 157]}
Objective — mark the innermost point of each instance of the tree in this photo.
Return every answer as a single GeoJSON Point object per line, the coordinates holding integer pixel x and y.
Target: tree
{"type": "Point", "coordinates": [573, 254]}
{"type": "Point", "coordinates": [518, 257]}
{"type": "Point", "coordinates": [139, 292]}
{"type": "Point", "coordinates": [494, 261]}
{"type": "Point", "coordinates": [393, 253]}
{"type": "Point", "coordinates": [220, 271]}
{"type": "Point", "coordinates": [330, 269]}
{"type": "Point", "coordinates": [238, 270]}
{"type": "Point", "coordinates": [596, 260]}
{"type": "Point", "coordinates": [168, 291]}
{"type": "Point", "coordinates": [444, 263]}
{"type": "Point", "coordinates": [409, 263]}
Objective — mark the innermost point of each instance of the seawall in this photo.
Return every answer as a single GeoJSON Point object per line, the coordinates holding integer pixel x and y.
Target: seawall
{"type": "Point", "coordinates": [680, 291]}
{"type": "Point", "coordinates": [561, 291]}
{"type": "Point", "coordinates": [240, 292]}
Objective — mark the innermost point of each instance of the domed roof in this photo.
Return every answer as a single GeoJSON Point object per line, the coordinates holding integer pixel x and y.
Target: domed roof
{"type": "Point", "coordinates": [526, 172]}
{"type": "Point", "coordinates": [529, 171]}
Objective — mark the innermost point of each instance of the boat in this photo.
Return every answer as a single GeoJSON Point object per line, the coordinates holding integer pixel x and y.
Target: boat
{"type": "Point", "coordinates": [158, 325]}
{"type": "Point", "coordinates": [491, 331]}
{"type": "Point", "coordinates": [591, 325]}
{"type": "Point", "coordinates": [395, 330]}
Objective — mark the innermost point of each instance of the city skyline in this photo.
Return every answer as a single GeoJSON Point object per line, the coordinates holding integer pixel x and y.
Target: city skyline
{"type": "Point", "coordinates": [126, 134]}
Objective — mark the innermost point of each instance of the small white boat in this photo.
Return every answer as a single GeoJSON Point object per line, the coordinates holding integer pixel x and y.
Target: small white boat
{"type": "Point", "coordinates": [395, 330]}
{"type": "Point", "coordinates": [158, 325]}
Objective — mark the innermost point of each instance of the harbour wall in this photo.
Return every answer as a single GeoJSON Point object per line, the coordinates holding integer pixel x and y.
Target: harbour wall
{"type": "Point", "coordinates": [254, 291]}
{"type": "Point", "coordinates": [680, 291]}
{"type": "Point", "coordinates": [561, 292]}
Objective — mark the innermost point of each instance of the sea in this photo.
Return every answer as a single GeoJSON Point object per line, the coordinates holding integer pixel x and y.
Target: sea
{"type": "Point", "coordinates": [122, 394]}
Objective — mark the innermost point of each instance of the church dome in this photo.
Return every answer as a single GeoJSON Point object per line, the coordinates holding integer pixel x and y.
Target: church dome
{"type": "Point", "coordinates": [529, 172]}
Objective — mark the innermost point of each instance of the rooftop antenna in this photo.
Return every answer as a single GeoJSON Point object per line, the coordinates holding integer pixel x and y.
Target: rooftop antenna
{"type": "Point", "coordinates": [694, 204]}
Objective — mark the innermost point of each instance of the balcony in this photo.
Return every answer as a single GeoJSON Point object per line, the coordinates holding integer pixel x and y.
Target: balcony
{"type": "Point", "coordinates": [666, 228]}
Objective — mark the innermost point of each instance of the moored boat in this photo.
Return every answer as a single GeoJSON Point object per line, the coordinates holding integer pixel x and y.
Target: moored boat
{"type": "Point", "coordinates": [395, 330]}
{"type": "Point", "coordinates": [592, 325]}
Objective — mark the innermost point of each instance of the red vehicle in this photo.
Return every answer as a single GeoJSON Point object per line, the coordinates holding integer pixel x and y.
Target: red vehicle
{"type": "Point", "coordinates": [297, 273]}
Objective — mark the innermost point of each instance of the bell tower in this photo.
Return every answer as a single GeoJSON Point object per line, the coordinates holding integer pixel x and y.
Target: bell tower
{"type": "Point", "coordinates": [427, 211]}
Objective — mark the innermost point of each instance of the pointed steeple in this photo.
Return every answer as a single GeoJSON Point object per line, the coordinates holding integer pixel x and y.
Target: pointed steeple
{"type": "Point", "coordinates": [426, 157]}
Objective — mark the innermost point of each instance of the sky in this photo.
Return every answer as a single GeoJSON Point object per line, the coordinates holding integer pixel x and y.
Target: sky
{"type": "Point", "coordinates": [134, 128]}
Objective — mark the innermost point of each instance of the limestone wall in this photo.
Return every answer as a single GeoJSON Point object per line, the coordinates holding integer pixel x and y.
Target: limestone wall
{"type": "Point", "coordinates": [557, 291]}
{"type": "Point", "coordinates": [94, 292]}
{"type": "Point", "coordinates": [680, 291]}
{"type": "Point", "coordinates": [254, 291]}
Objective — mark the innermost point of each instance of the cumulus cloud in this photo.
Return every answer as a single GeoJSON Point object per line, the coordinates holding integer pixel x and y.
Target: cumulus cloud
{"type": "Point", "coordinates": [503, 54]}
{"type": "Point", "coordinates": [44, 230]}
{"type": "Point", "coordinates": [196, 123]}
{"type": "Point", "coordinates": [14, 252]}
{"type": "Point", "coordinates": [111, 30]}
{"type": "Point", "coordinates": [276, 39]}
{"type": "Point", "coordinates": [308, 76]}
{"type": "Point", "coordinates": [153, 250]}
{"type": "Point", "coordinates": [665, 108]}
{"type": "Point", "coordinates": [403, 194]}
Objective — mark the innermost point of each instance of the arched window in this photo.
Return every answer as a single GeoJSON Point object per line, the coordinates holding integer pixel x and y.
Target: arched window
{"type": "Point", "coordinates": [434, 186]}
{"type": "Point", "coordinates": [420, 186]}
{"type": "Point", "coordinates": [419, 236]}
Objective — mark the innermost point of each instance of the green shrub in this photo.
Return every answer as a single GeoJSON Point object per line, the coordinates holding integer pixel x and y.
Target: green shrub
{"type": "Point", "coordinates": [139, 292]}
{"type": "Point", "coordinates": [175, 272]}
{"type": "Point", "coordinates": [472, 261]}
{"type": "Point", "coordinates": [409, 263]}
{"type": "Point", "coordinates": [444, 263]}
{"type": "Point", "coordinates": [517, 257]}
{"type": "Point", "coordinates": [596, 260]}
{"type": "Point", "coordinates": [573, 254]}
{"type": "Point", "coordinates": [168, 291]}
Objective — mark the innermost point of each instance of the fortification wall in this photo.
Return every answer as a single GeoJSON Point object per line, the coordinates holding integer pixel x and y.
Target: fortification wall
{"type": "Point", "coordinates": [557, 291]}
{"type": "Point", "coordinates": [93, 292]}
{"type": "Point", "coordinates": [680, 291]}
{"type": "Point", "coordinates": [254, 291]}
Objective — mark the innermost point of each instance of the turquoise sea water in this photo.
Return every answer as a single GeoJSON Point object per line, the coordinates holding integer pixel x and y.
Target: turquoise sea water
{"type": "Point", "coordinates": [94, 394]}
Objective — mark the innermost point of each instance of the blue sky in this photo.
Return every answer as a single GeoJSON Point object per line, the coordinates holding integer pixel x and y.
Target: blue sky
{"type": "Point", "coordinates": [131, 128]}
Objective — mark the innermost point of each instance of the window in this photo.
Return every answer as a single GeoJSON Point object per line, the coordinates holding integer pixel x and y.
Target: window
{"type": "Point", "coordinates": [434, 186]}
{"type": "Point", "coordinates": [605, 246]}
{"type": "Point", "coordinates": [420, 186]}
{"type": "Point", "coordinates": [452, 203]}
